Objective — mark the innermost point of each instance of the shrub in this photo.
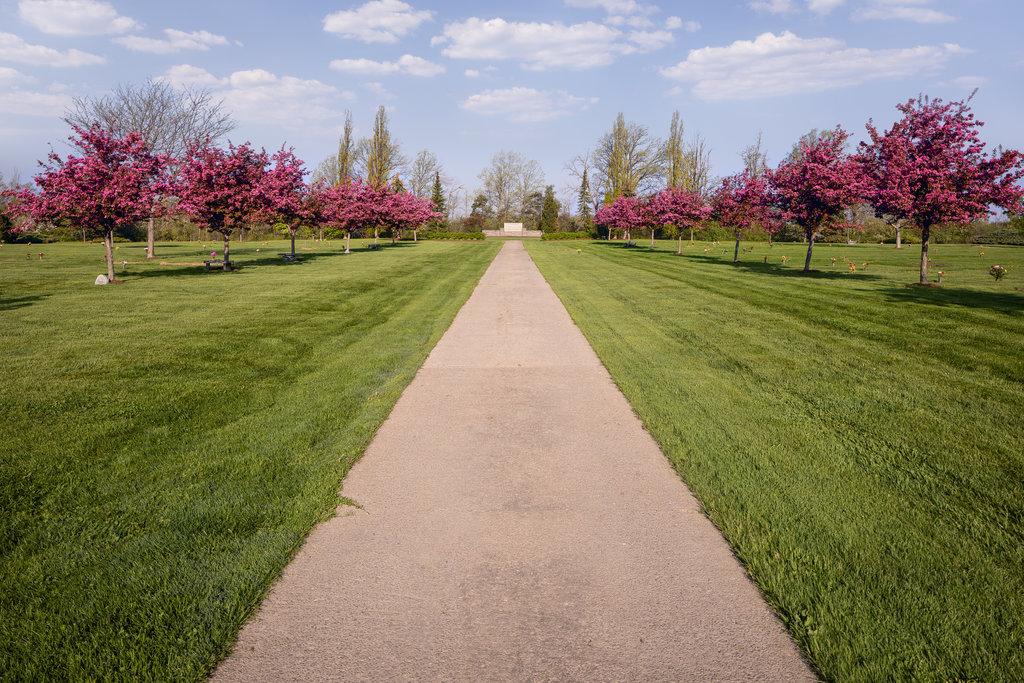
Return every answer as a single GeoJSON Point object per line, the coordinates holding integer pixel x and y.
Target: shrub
{"type": "Point", "coordinates": [566, 236]}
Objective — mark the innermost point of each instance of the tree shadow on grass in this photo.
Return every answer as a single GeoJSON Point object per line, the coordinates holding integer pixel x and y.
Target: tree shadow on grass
{"type": "Point", "coordinates": [1003, 302]}
{"type": "Point", "coordinates": [773, 269]}
{"type": "Point", "coordinates": [243, 262]}
{"type": "Point", "coordinates": [20, 301]}
{"type": "Point", "coordinates": [240, 265]}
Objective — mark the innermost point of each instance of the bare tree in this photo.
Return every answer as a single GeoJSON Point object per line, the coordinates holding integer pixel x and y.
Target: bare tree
{"type": "Point", "coordinates": [170, 119]}
{"type": "Point", "coordinates": [697, 167]}
{"type": "Point", "coordinates": [327, 171]}
{"type": "Point", "coordinates": [457, 200]}
{"type": "Point", "coordinates": [509, 182]}
{"type": "Point", "coordinates": [755, 160]}
{"type": "Point", "coordinates": [422, 172]}
{"type": "Point", "coordinates": [811, 137]}
{"type": "Point", "coordinates": [628, 159]}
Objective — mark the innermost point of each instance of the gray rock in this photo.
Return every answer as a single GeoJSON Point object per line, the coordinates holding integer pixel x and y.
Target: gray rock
{"type": "Point", "coordinates": [102, 280]}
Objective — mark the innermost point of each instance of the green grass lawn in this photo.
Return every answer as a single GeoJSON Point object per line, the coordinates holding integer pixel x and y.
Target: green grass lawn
{"type": "Point", "coordinates": [858, 440]}
{"type": "Point", "coordinates": [167, 443]}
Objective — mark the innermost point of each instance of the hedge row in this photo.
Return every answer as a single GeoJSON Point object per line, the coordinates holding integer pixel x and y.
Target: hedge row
{"type": "Point", "coordinates": [450, 235]}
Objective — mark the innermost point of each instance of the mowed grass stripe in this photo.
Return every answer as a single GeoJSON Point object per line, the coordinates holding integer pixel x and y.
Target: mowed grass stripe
{"type": "Point", "coordinates": [169, 442]}
{"type": "Point", "coordinates": [870, 478]}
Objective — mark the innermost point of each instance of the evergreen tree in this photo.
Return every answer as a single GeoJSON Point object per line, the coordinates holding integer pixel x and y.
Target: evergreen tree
{"type": "Point", "coordinates": [397, 185]}
{"type": "Point", "coordinates": [585, 209]}
{"type": "Point", "coordinates": [479, 212]}
{"type": "Point", "coordinates": [549, 211]}
{"type": "Point", "coordinates": [531, 210]}
{"type": "Point", "coordinates": [437, 195]}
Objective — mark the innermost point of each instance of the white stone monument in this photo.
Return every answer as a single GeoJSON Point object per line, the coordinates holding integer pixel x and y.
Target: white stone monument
{"type": "Point", "coordinates": [513, 228]}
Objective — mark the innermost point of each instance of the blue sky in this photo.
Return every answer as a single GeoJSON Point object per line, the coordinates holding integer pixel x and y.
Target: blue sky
{"type": "Point", "coordinates": [466, 79]}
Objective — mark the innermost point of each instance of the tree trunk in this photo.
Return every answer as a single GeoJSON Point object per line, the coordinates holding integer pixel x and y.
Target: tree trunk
{"type": "Point", "coordinates": [375, 233]}
{"type": "Point", "coordinates": [150, 239]}
{"type": "Point", "coordinates": [652, 239]}
{"type": "Point", "coordinates": [227, 250]}
{"type": "Point", "coordinates": [899, 236]}
{"type": "Point", "coordinates": [108, 250]}
{"type": "Point", "coordinates": [84, 240]}
{"type": "Point", "coordinates": [414, 236]}
{"type": "Point", "coordinates": [926, 233]}
{"type": "Point", "coordinates": [293, 242]}
{"type": "Point", "coordinates": [691, 234]}
{"type": "Point", "coordinates": [679, 248]}
{"type": "Point", "coordinates": [348, 238]}
{"type": "Point", "coordinates": [810, 248]}
{"type": "Point", "coordinates": [736, 251]}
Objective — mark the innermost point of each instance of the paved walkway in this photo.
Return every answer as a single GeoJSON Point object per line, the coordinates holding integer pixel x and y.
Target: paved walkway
{"type": "Point", "coordinates": [517, 523]}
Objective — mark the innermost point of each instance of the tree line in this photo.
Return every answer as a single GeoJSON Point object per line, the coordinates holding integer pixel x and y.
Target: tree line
{"type": "Point", "coordinates": [113, 181]}
{"type": "Point", "coordinates": [929, 168]}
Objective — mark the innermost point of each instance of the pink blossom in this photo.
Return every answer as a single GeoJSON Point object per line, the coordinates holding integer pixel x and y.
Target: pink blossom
{"type": "Point", "coordinates": [931, 167]}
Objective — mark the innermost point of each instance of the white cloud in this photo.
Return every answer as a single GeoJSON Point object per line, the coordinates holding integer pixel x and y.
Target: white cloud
{"type": "Point", "coordinates": [174, 41]}
{"type": "Point", "coordinates": [823, 6]}
{"type": "Point", "coordinates": [903, 10]}
{"type": "Point", "coordinates": [612, 6]}
{"type": "Point", "coordinates": [259, 96]}
{"type": "Point", "coordinates": [537, 45]}
{"type": "Point", "coordinates": [406, 64]}
{"type": "Point", "coordinates": [648, 41]}
{"type": "Point", "coordinates": [629, 13]}
{"type": "Point", "coordinates": [472, 73]}
{"type": "Point", "coordinates": [183, 75]}
{"type": "Point", "coordinates": [14, 49]}
{"type": "Point", "coordinates": [377, 21]}
{"type": "Point", "coordinates": [31, 103]}
{"type": "Point", "coordinates": [526, 105]}
{"type": "Point", "coordinates": [379, 90]}
{"type": "Point", "coordinates": [9, 76]}
{"type": "Point", "coordinates": [969, 82]}
{"type": "Point", "coordinates": [785, 64]}
{"type": "Point", "coordinates": [773, 6]}
{"type": "Point", "coordinates": [75, 17]}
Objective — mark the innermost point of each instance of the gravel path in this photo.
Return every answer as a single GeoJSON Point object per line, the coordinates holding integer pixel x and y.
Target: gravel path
{"type": "Point", "coordinates": [516, 523]}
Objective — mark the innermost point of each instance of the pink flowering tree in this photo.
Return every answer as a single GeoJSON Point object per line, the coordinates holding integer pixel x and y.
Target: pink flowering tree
{"type": "Point", "coordinates": [931, 167]}
{"type": "Point", "coordinates": [356, 206]}
{"type": "Point", "coordinates": [814, 188]}
{"type": "Point", "coordinates": [742, 201]}
{"type": "Point", "coordinates": [315, 205]}
{"type": "Point", "coordinates": [406, 211]}
{"type": "Point", "coordinates": [676, 207]}
{"type": "Point", "coordinates": [368, 209]}
{"type": "Point", "coordinates": [110, 184]}
{"type": "Point", "coordinates": [218, 189]}
{"type": "Point", "coordinates": [332, 203]}
{"type": "Point", "coordinates": [282, 194]}
{"type": "Point", "coordinates": [624, 214]}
